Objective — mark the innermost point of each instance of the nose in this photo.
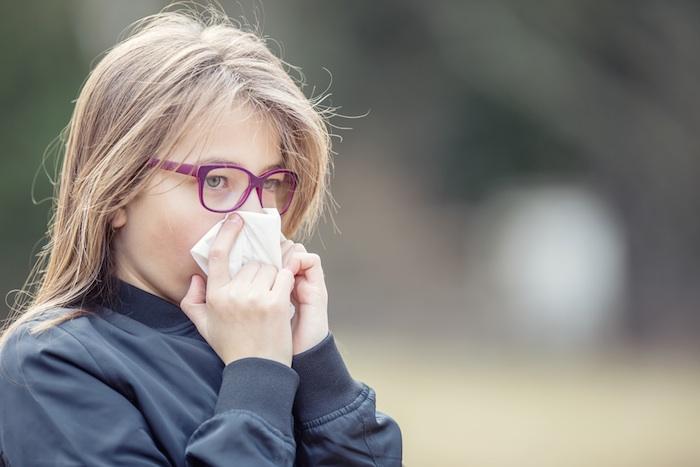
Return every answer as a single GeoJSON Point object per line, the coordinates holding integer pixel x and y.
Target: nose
{"type": "Point", "coordinates": [252, 203]}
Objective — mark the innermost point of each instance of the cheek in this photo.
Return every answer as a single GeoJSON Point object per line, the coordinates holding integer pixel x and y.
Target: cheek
{"type": "Point", "coordinates": [182, 240]}
{"type": "Point", "coordinates": [177, 227]}
{"type": "Point", "coordinates": [179, 235]}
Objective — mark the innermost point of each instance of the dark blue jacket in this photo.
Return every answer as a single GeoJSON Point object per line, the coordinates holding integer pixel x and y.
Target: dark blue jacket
{"type": "Point", "coordinates": [135, 384]}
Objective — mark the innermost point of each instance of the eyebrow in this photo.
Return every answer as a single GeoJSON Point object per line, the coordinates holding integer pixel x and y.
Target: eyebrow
{"type": "Point", "coordinates": [278, 165]}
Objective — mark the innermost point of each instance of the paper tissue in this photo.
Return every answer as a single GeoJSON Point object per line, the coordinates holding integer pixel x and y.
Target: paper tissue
{"type": "Point", "coordinates": [259, 240]}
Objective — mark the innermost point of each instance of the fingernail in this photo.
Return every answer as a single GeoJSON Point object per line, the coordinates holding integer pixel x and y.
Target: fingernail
{"type": "Point", "coordinates": [234, 218]}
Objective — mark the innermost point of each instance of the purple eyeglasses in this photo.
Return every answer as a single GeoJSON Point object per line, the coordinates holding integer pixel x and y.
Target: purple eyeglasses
{"type": "Point", "coordinates": [275, 187]}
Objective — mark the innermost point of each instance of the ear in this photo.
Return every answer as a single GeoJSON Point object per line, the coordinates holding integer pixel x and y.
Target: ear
{"type": "Point", "coordinates": [119, 218]}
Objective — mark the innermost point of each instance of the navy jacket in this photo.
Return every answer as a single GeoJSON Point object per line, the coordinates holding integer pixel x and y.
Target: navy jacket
{"type": "Point", "coordinates": [135, 384]}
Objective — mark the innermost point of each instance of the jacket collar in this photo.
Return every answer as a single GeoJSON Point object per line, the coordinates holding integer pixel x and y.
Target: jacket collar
{"type": "Point", "coordinates": [149, 309]}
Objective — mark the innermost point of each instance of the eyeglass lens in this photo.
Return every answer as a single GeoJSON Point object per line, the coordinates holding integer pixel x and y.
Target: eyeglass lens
{"type": "Point", "coordinates": [223, 188]}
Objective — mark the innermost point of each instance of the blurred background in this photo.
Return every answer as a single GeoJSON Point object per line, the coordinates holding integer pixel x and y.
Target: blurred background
{"type": "Point", "coordinates": [513, 265]}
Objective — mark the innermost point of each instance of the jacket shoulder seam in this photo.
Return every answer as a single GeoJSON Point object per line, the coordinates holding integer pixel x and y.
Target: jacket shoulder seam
{"type": "Point", "coordinates": [87, 351]}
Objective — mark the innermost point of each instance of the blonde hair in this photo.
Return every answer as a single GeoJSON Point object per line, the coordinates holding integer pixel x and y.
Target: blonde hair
{"type": "Point", "coordinates": [174, 70]}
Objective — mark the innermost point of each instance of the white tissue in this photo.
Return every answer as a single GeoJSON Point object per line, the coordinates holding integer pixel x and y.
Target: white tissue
{"type": "Point", "coordinates": [259, 240]}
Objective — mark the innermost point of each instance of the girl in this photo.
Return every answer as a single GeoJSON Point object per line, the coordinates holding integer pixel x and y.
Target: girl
{"type": "Point", "coordinates": [128, 353]}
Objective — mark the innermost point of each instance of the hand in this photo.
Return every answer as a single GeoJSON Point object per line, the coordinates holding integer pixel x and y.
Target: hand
{"type": "Point", "coordinates": [309, 296]}
{"type": "Point", "coordinates": [243, 316]}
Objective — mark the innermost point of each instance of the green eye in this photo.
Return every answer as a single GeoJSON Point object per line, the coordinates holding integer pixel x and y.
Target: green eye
{"type": "Point", "coordinates": [214, 184]}
{"type": "Point", "coordinates": [271, 184]}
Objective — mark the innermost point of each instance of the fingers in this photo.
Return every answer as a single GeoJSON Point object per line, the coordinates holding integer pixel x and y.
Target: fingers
{"type": "Point", "coordinates": [296, 258]}
{"type": "Point", "coordinates": [285, 257]}
{"type": "Point", "coordinates": [286, 248]}
{"type": "Point", "coordinates": [219, 274]}
{"type": "Point", "coordinates": [265, 278]}
{"type": "Point", "coordinates": [192, 304]}
{"type": "Point", "coordinates": [306, 263]}
{"type": "Point", "coordinates": [247, 273]}
{"type": "Point", "coordinates": [289, 248]}
{"type": "Point", "coordinates": [284, 283]}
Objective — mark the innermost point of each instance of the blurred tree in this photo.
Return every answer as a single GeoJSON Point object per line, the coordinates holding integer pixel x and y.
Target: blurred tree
{"type": "Point", "coordinates": [42, 69]}
{"type": "Point", "coordinates": [618, 82]}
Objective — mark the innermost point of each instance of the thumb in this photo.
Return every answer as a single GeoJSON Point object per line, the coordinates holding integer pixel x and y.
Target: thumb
{"type": "Point", "coordinates": [193, 302]}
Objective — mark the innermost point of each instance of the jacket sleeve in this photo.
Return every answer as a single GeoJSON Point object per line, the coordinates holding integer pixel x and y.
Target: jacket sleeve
{"type": "Point", "coordinates": [58, 408]}
{"type": "Point", "coordinates": [336, 422]}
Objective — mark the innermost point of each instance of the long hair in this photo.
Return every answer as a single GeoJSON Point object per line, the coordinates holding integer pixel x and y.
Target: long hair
{"type": "Point", "coordinates": [173, 71]}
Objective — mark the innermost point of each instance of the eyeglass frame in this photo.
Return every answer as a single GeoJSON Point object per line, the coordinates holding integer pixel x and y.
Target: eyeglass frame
{"type": "Point", "coordinates": [254, 181]}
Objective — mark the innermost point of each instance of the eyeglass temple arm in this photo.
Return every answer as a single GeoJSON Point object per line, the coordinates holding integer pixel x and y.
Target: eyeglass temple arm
{"type": "Point", "coordinates": [186, 169]}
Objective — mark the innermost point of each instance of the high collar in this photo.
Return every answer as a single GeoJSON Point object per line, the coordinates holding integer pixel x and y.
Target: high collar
{"type": "Point", "coordinates": [149, 309]}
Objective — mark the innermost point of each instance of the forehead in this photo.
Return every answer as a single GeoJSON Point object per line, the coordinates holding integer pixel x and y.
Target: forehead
{"type": "Point", "coordinates": [240, 135]}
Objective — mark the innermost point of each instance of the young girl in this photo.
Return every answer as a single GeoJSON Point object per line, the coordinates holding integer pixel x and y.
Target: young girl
{"type": "Point", "coordinates": [128, 353]}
